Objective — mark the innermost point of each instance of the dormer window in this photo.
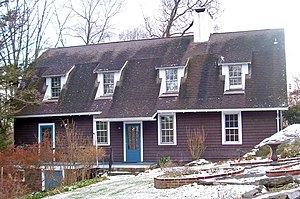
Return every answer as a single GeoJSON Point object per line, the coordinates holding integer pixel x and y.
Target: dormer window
{"type": "Point", "coordinates": [54, 83]}
{"type": "Point", "coordinates": [108, 83]}
{"type": "Point", "coordinates": [235, 77]}
{"type": "Point", "coordinates": [170, 77]}
{"type": "Point", "coordinates": [171, 80]}
{"type": "Point", "coordinates": [55, 87]}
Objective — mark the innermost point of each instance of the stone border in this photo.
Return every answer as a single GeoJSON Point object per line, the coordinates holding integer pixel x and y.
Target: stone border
{"type": "Point", "coordinates": [168, 183]}
{"type": "Point", "coordinates": [244, 163]}
{"type": "Point", "coordinates": [283, 170]}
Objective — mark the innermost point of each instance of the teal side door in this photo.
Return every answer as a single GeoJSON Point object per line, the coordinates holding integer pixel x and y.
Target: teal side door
{"type": "Point", "coordinates": [47, 131]}
{"type": "Point", "coordinates": [133, 142]}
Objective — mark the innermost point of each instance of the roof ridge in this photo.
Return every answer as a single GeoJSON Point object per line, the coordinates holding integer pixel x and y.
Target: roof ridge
{"type": "Point", "coordinates": [115, 42]}
{"type": "Point", "coordinates": [246, 31]}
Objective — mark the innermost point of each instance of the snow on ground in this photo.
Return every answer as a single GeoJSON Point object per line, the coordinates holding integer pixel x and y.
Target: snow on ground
{"type": "Point", "coordinates": [142, 186]}
{"type": "Point", "coordinates": [291, 132]}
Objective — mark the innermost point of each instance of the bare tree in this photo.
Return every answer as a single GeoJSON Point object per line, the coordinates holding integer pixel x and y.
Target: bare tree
{"type": "Point", "coordinates": [294, 95]}
{"type": "Point", "coordinates": [133, 34]}
{"type": "Point", "coordinates": [22, 31]}
{"type": "Point", "coordinates": [60, 24]}
{"type": "Point", "coordinates": [94, 19]}
{"type": "Point", "coordinates": [175, 17]}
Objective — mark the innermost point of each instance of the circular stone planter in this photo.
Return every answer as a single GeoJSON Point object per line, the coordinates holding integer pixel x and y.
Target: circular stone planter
{"type": "Point", "coordinates": [291, 169]}
{"type": "Point", "coordinates": [162, 182]}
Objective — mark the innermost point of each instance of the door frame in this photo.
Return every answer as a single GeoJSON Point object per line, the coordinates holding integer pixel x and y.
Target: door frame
{"type": "Point", "coordinates": [53, 133]}
{"type": "Point", "coordinates": [141, 139]}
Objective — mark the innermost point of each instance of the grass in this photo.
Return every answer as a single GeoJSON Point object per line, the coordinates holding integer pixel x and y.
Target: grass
{"type": "Point", "coordinates": [63, 189]}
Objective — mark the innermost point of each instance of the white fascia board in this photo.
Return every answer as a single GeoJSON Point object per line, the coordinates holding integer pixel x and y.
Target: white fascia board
{"type": "Point", "coordinates": [128, 119]}
{"type": "Point", "coordinates": [169, 67]}
{"type": "Point", "coordinates": [219, 110]}
{"type": "Point", "coordinates": [125, 64]}
{"type": "Point", "coordinates": [59, 115]}
{"type": "Point", "coordinates": [235, 63]}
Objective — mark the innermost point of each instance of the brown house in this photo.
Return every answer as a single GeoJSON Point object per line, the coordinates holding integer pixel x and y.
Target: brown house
{"type": "Point", "coordinates": [141, 97]}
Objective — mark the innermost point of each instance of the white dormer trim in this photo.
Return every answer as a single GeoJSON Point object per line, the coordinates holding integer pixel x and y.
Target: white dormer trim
{"type": "Point", "coordinates": [225, 72]}
{"type": "Point", "coordinates": [162, 75]}
{"type": "Point", "coordinates": [100, 79]}
{"type": "Point", "coordinates": [63, 81]}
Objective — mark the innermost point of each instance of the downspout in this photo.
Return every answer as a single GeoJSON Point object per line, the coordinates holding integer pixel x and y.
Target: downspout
{"type": "Point", "coordinates": [278, 121]}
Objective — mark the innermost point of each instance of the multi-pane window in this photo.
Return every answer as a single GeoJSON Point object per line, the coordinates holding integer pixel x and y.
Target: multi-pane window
{"type": "Point", "coordinates": [108, 83]}
{"type": "Point", "coordinates": [55, 87]}
{"type": "Point", "coordinates": [102, 132]}
{"type": "Point", "coordinates": [167, 129]}
{"type": "Point", "coordinates": [232, 128]}
{"type": "Point", "coordinates": [235, 76]}
{"type": "Point", "coordinates": [171, 80]}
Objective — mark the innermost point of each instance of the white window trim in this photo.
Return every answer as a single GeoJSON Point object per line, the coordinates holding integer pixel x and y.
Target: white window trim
{"type": "Point", "coordinates": [95, 140]}
{"type": "Point", "coordinates": [163, 88]}
{"type": "Point", "coordinates": [39, 132]}
{"type": "Point", "coordinates": [174, 129]}
{"type": "Point", "coordinates": [63, 81]}
{"type": "Point", "coordinates": [225, 72]}
{"type": "Point", "coordinates": [240, 141]}
{"type": "Point", "coordinates": [100, 80]}
{"type": "Point", "coordinates": [51, 89]}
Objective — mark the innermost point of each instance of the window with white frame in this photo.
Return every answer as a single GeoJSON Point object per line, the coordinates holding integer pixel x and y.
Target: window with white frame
{"type": "Point", "coordinates": [108, 83]}
{"type": "Point", "coordinates": [235, 77]}
{"type": "Point", "coordinates": [171, 80]}
{"type": "Point", "coordinates": [102, 133]}
{"type": "Point", "coordinates": [231, 128]}
{"type": "Point", "coordinates": [167, 129]}
{"type": "Point", "coordinates": [55, 87]}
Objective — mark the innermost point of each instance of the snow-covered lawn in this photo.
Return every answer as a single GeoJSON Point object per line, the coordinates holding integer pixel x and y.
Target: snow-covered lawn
{"type": "Point", "coordinates": [142, 187]}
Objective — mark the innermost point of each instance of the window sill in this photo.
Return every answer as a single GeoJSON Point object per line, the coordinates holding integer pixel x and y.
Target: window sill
{"type": "Point", "coordinates": [102, 144]}
{"type": "Point", "coordinates": [234, 92]}
{"type": "Point", "coordinates": [104, 97]}
{"type": "Point", "coordinates": [51, 100]}
{"type": "Point", "coordinates": [167, 144]}
{"type": "Point", "coordinates": [169, 95]}
{"type": "Point", "coordinates": [232, 143]}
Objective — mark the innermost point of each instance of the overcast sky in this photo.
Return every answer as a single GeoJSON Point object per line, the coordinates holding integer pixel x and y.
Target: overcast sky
{"type": "Point", "coordinates": [241, 15]}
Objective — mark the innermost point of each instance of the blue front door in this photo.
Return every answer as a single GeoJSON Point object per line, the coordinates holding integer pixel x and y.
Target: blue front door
{"type": "Point", "coordinates": [133, 142]}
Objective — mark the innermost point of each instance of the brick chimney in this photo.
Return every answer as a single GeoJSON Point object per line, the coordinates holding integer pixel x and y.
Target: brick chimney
{"type": "Point", "coordinates": [201, 25]}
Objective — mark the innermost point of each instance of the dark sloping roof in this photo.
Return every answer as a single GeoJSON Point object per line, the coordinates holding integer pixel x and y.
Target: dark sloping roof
{"type": "Point", "coordinates": [112, 56]}
{"type": "Point", "coordinates": [137, 92]}
{"type": "Point", "coordinates": [265, 88]}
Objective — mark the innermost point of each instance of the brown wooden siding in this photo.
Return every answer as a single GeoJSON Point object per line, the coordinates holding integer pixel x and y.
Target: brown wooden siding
{"type": "Point", "coordinates": [256, 127]}
{"type": "Point", "coordinates": [26, 130]}
{"type": "Point", "coordinates": [116, 141]}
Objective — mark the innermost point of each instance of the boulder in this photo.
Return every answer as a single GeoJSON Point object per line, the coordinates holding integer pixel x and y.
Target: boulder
{"type": "Point", "coordinates": [276, 182]}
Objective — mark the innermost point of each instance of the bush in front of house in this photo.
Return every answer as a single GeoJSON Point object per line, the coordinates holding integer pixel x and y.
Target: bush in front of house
{"type": "Point", "coordinates": [290, 149]}
{"type": "Point", "coordinates": [164, 162]}
{"type": "Point", "coordinates": [196, 142]}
